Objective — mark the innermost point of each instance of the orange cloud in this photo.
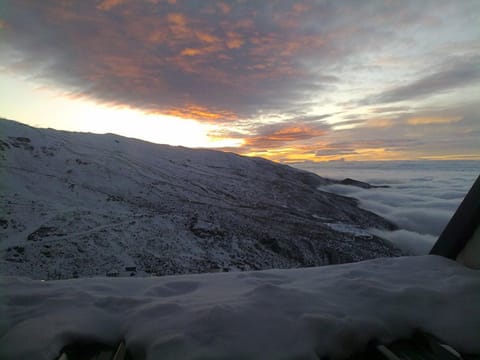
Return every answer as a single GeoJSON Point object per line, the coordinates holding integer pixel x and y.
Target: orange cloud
{"type": "Point", "coordinates": [236, 63]}
{"type": "Point", "coordinates": [433, 120]}
{"type": "Point", "coordinates": [379, 123]}
{"type": "Point", "coordinates": [109, 4]}
{"type": "Point", "coordinates": [234, 40]}
{"type": "Point", "coordinates": [190, 52]}
{"type": "Point", "coordinates": [178, 25]}
{"type": "Point", "coordinates": [177, 19]}
{"type": "Point", "coordinates": [279, 136]}
{"type": "Point", "coordinates": [225, 8]}
{"type": "Point", "coordinates": [156, 36]}
{"type": "Point", "coordinates": [300, 153]}
{"type": "Point", "coordinates": [205, 37]}
{"type": "Point", "coordinates": [124, 67]}
{"type": "Point", "coordinates": [161, 59]}
{"type": "Point", "coordinates": [198, 112]}
{"type": "Point", "coordinates": [134, 64]}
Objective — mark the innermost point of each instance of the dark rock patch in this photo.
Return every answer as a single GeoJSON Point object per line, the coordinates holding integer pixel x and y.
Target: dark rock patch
{"type": "Point", "coordinates": [361, 184]}
{"type": "Point", "coordinates": [43, 231]}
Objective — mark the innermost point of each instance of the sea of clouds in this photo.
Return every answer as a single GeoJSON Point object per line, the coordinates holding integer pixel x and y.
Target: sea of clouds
{"type": "Point", "coordinates": [421, 198]}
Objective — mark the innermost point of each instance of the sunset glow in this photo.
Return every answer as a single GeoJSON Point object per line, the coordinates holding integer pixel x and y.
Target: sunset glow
{"type": "Point", "coordinates": [288, 80]}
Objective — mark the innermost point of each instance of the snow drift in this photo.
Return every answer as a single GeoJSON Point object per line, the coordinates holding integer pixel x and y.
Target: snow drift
{"type": "Point", "coordinates": [273, 314]}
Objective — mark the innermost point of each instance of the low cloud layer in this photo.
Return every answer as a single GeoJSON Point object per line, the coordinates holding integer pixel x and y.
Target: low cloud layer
{"type": "Point", "coordinates": [421, 199]}
{"type": "Point", "coordinates": [409, 241]}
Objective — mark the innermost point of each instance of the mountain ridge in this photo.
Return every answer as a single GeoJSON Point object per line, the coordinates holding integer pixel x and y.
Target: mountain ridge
{"type": "Point", "coordinates": [81, 204]}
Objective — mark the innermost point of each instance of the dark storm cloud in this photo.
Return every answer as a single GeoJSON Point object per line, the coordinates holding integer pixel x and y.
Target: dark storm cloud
{"type": "Point", "coordinates": [215, 61]}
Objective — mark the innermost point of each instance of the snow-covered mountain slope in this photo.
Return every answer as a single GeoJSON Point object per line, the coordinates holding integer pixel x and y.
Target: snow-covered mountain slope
{"type": "Point", "coordinates": [274, 314]}
{"type": "Point", "coordinates": [77, 204]}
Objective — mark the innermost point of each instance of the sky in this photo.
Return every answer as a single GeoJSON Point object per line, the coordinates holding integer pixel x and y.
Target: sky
{"type": "Point", "coordinates": [291, 81]}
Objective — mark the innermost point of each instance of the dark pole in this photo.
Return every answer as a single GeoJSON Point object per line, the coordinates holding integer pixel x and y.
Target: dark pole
{"type": "Point", "coordinates": [461, 226]}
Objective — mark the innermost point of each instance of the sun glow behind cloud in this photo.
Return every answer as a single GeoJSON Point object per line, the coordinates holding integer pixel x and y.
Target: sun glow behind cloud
{"type": "Point", "coordinates": [63, 112]}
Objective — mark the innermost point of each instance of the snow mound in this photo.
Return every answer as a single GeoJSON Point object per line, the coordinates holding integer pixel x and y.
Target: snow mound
{"type": "Point", "coordinates": [273, 314]}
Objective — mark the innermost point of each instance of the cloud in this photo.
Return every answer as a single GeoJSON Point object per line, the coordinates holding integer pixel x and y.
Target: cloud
{"type": "Point", "coordinates": [421, 132]}
{"type": "Point", "coordinates": [211, 114]}
{"type": "Point", "coordinates": [411, 242]}
{"type": "Point", "coordinates": [360, 119]}
{"type": "Point", "coordinates": [242, 65]}
{"type": "Point", "coordinates": [258, 137]}
{"type": "Point", "coordinates": [433, 120]}
{"type": "Point", "coordinates": [312, 118]}
{"type": "Point", "coordinates": [275, 135]}
{"type": "Point", "coordinates": [396, 201]}
{"type": "Point", "coordinates": [408, 207]}
{"type": "Point", "coordinates": [234, 59]}
{"type": "Point", "coordinates": [421, 199]}
{"type": "Point", "coordinates": [357, 146]}
{"type": "Point", "coordinates": [109, 4]}
{"type": "Point", "coordinates": [335, 151]}
{"type": "Point", "coordinates": [390, 109]}
{"type": "Point", "coordinates": [452, 75]}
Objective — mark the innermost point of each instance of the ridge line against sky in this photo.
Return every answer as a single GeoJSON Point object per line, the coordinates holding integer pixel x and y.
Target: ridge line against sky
{"type": "Point", "coordinates": [287, 80]}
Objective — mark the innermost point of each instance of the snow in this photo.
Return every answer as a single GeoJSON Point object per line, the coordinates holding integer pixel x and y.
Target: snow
{"type": "Point", "coordinates": [77, 205]}
{"type": "Point", "coordinates": [274, 314]}
{"type": "Point", "coordinates": [349, 229]}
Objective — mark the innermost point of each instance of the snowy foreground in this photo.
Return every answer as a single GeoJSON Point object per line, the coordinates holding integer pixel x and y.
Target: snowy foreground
{"type": "Point", "coordinates": [273, 314]}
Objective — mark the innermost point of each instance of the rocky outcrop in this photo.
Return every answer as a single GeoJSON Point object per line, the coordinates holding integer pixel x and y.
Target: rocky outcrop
{"type": "Point", "coordinates": [361, 184]}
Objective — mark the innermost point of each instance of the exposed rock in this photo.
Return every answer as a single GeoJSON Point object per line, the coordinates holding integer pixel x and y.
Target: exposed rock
{"type": "Point", "coordinates": [361, 184]}
{"type": "Point", "coordinates": [43, 231]}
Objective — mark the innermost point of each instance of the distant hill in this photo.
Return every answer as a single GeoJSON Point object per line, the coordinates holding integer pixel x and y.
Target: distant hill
{"type": "Point", "coordinates": [78, 204]}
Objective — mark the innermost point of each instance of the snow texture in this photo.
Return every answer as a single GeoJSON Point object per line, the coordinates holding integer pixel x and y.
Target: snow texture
{"type": "Point", "coordinates": [273, 314]}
